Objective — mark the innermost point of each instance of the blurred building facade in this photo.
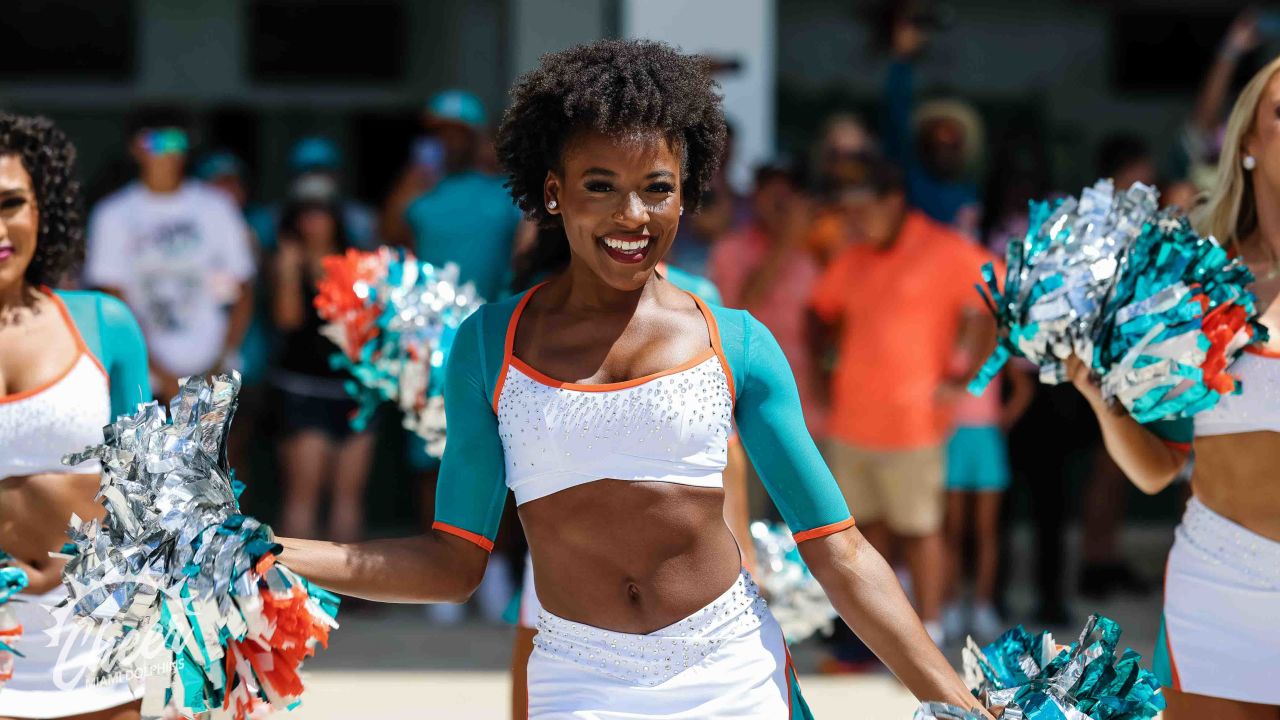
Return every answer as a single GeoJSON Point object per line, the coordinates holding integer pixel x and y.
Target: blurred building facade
{"type": "Point", "coordinates": [261, 73]}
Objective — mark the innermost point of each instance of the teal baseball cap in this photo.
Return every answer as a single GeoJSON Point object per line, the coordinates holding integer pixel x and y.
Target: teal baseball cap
{"type": "Point", "coordinates": [220, 163]}
{"type": "Point", "coordinates": [456, 106]}
{"type": "Point", "coordinates": [312, 153]}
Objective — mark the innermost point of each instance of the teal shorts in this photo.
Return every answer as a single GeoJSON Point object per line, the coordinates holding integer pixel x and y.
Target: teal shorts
{"type": "Point", "coordinates": [977, 460]}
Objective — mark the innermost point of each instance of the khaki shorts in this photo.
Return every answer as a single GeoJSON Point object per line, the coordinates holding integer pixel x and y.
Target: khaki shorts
{"type": "Point", "coordinates": [903, 488]}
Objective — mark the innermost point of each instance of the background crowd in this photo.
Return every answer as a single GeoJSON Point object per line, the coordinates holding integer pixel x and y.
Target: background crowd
{"type": "Point", "coordinates": [859, 250]}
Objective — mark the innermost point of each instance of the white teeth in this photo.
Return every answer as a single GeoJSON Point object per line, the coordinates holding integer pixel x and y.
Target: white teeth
{"type": "Point", "coordinates": [626, 246]}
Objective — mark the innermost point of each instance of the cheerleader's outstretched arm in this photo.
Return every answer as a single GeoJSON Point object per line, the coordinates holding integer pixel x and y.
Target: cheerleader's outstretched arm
{"type": "Point", "coordinates": [432, 567]}
{"type": "Point", "coordinates": [859, 583]}
{"type": "Point", "coordinates": [866, 593]}
{"type": "Point", "coordinates": [447, 563]}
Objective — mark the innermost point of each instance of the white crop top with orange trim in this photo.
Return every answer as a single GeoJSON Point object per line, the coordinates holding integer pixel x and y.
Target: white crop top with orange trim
{"type": "Point", "coordinates": [1256, 408]}
{"type": "Point", "coordinates": [66, 414]}
{"type": "Point", "coordinates": [671, 426]}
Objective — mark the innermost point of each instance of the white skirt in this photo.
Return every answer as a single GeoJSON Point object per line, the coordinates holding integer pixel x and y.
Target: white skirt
{"type": "Point", "coordinates": [727, 660]}
{"type": "Point", "coordinates": [54, 677]}
{"type": "Point", "coordinates": [1222, 610]}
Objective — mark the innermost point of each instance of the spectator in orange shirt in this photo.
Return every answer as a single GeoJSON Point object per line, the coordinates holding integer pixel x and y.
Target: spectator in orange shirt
{"type": "Point", "coordinates": [899, 300]}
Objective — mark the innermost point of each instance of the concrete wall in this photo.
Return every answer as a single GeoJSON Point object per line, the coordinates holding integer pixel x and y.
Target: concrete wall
{"type": "Point", "coordinates": [195, 52]}
{"type": "Point", "coordinates": [542, 26]}
{"type": "Point", "coordinates": [740, 30]}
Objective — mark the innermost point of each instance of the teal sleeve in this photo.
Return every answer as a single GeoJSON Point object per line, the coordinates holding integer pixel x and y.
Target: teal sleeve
{"type": "Point", "coordinates": [113, 337]}
{"type": "Point", "coordinates": [1174, 432]}
{"type": "Point", "coordinates": [471, 490]}
{"type": "Point", "coordinates": [125, 356]}
{"type": "Point", "coordinates": [773, 432]}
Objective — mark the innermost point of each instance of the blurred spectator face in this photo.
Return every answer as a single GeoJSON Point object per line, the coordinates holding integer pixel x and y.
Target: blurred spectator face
{"type": "Point", "coordinates": [942, 147]}
{"type": "Point", "coordinates": [1181, 194]}
{"type": "Point", "coordinates": [317, 228]}
{"type": "Point", "coordinates": [458, 118]}
{"type": "Point", "coordinates": [459, 144]}
{"type": "Point", "coordinates": [223, 170]}
{"type": "Point", "coordinates": [842, 148]}
{"type": "Point", "coordinates": [1141, 170]}
{"type": "Point", "coordinates": [161, 154]}
{"type": "Point", "coordinates": [770, 201]}
{"type": "Point", "coordinates": [874, 218]}
{"type": "Point", "coordinates": [1126, 159]}
{"type": "Point", "coordinates": [233, 186]}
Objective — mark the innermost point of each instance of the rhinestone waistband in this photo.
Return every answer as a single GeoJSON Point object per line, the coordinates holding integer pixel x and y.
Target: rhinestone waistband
{"type": "Point", "coordinates": [1231, 544]}
{"type": "Point", "coordinates": [652, 659]}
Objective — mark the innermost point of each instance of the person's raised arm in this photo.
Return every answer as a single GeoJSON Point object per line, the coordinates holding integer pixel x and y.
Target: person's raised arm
{"type": "Point", "coordinates": [393, 224]}
{"type": "Point", "coordinates": [859, 583]}
{"type": "Point", "coordinates": [907, 41]}
{"type": "Point", "coordinates": [447, 563]}
{"type": "Point", "coordinates": [288, 303]}
{"type": "Point", "coordinates": [1241, 38]}
{"type": "Point", "coordinates": [1149, 460]}
{"type": "Point", "coordinates": [239, 318]}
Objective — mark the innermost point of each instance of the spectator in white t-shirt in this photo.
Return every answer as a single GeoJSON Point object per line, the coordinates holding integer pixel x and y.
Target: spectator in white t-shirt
{"type": "Point", "coordinates": [178, 253]}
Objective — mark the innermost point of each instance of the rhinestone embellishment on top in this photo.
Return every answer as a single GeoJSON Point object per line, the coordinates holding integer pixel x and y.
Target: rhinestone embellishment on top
{"type": "Point", "coordinates": [676, 423]}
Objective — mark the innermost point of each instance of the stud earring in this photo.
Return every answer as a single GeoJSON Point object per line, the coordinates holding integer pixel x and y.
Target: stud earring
{"type": "Point", "coordinates": [1249, 162]}
{"type": "Point", "coordinates": [552, 205]}
{"type": "Point", "coordinates": [681, 209]}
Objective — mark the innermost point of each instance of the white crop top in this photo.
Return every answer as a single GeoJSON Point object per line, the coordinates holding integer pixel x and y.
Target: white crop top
{"type": "Point", "coordinates": [39, 426]}
{"type": "Point", "coordinates": [1256, 408]}
{"type": "Point", "coordinates": [671, 426]}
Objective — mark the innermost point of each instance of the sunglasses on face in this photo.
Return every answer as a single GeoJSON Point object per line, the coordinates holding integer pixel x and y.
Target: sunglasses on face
{"type": "Point", "coordinates": [164, 141]}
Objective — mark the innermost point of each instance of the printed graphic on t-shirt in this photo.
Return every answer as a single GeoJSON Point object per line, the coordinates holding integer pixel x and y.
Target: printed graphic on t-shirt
{"type": "Point", "coordinates": [170, 282]}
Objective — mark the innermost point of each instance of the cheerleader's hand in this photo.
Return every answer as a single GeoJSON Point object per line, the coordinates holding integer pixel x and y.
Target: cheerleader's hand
{"type": "Point", "coordinates": [1081, 376]}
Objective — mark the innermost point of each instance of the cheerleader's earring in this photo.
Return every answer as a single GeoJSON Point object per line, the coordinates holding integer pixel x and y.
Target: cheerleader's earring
{"type": "Point", "coordinates": [681, 209]}
{"type": "Point", "coordinates": [1249, 162]}
{"type": "Point", "coordinates": [552, 204]}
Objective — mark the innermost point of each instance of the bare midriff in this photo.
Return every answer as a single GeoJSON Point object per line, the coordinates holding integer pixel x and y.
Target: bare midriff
{"type": "Point", "coordinates": [35, 511]}
{"type": "Point", "coordinates": [1238, 477]}
{"type": "Point", "coordinates": [630, 556]}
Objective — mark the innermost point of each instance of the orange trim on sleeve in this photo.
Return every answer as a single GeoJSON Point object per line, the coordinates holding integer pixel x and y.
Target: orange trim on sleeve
{"type": "Point", "coordinates": [824, 531]}
{"type": "Point", "coordinates": [508, 345]}
{"type": "Point", "coordinates": [1264, 352]}
{"type": "Point", "coordinates": [713, 329]}
{"type": "Point", "coordinates": [483, 542]}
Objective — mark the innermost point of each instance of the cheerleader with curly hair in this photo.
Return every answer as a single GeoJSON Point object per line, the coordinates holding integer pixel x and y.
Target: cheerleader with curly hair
{"type": "Point", "coordinates": [69, 363]}
{"type": "Point", "coordinates": [603, 398]}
